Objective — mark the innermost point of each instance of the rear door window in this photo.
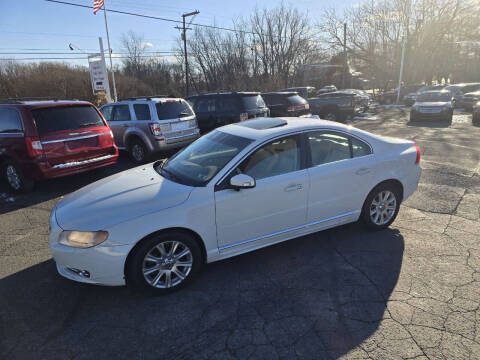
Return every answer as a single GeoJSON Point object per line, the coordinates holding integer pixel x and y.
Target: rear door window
{"type": "Point", "coordinates": [296, 100]}
{"type": "Point", "coordinates": [227, 104]}
{"type": "Point", "coordinates": [10, 121]}
{"type": "Point", "coordinates": [253, 102]}
{"type": "Point", "coordinates": [49, 120]}
{"type": "Point", "coordinates": [205, 105]}
{"type": "Point", "coordinates": [142, 111]}
{"type": "Point", "coordinates": [327, 147]}
{"type": "Point", "coordinates": [121, 113]}
{"type": "Point", "coordinates": [107, 112]}
{"type": "Point", "coordinates": [173, 109]}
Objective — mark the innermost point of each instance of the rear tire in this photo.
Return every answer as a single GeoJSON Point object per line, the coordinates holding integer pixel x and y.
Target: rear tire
{"type": "Point", "coordinates": [16, 180]}
{"type": "Point", "coordinates": [138, 152]}
{"type": "Point", "coordinates": [159, 266]}
{"type": "Point", "coordinates": [331, 115]}
{"type": "Point", "coordinates": [381, 206]}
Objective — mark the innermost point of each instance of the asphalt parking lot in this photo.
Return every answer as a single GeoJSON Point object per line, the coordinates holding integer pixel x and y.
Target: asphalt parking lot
{"type": "Point", "coordinates": [408, 292]}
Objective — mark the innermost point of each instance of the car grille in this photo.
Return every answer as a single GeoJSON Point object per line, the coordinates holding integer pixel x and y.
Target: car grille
{"type": "Point", "coordinates": [430, 110]}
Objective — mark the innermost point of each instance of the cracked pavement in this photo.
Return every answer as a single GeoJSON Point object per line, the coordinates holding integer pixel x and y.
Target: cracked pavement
{"type": "Point", "coordinates": [409, 292]}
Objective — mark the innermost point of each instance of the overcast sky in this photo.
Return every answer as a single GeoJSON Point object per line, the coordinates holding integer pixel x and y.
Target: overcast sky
{"type": "Point", "coordinates": [38, 24]}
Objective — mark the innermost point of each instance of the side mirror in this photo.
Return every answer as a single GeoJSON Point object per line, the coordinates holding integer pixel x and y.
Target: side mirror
{"type": "Point", "coordinates": [242, 181]}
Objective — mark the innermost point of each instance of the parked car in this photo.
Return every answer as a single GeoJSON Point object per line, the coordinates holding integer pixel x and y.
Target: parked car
{"type": "Point", "coordinates": [363, 99]}
{"type": "Point", "coordinates": [470, 99]}
{"type": "Point", "coordinates": [49, 139]}
{"type": "Point", "coordinates": [327, 89]}
{"type": "Point", "coordinates": [410, 98]}
{"type": "Point", "coordinates": [238, 188]}
{"type": "Point", "coordinates": [304, 91]}
{"type": "Point", "coordinates": [283, 103]}
{"type": "Point", "coordinates": [143, 126]}
{"type": "Point", "coordinates": [334, 106]}
{"type": "Point", "coordinates": [476, 113]}
{"type": "Point", "coordinates": [390, 97]}
{"type": "Point", "coordinates": [458, 90]}
{"type": "Point", "coordinates": [433, 105]}
{"type": "Point", "coordinates": [218, 109]}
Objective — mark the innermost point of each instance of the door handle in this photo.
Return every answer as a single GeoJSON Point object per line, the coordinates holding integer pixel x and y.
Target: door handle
{"type": "Point", "coordinates": [362, 171]}
{"type": "Point", "coordinates": [125, 125]}
{"type": "Point", "coordinates": [293, 187]}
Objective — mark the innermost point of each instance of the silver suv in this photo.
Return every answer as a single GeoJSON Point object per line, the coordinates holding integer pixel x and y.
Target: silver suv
{"type": "Point", "coordinates": [146, 125]}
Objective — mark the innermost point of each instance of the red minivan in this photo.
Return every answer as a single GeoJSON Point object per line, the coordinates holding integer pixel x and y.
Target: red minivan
{"type": "Point", "coordinates": [48, 139]}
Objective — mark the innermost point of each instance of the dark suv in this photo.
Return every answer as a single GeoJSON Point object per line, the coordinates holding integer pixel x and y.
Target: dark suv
{"type": "Point", "coordinates": [283, 103]}
{"type": "Point", "coordinates": [48, 139]}
{"type": "Point", "coordinates": [218, 109]}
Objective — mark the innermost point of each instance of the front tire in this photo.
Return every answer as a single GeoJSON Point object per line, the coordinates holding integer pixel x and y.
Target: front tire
{"type": "Point", "coordinates": [16, 179]}
{"type": "Point", "coordinates": [166, 262]}
{"type": "Point", "coordinates": [381, 206]}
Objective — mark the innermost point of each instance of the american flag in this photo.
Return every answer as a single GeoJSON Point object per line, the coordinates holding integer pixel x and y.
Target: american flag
{"type": "Point", "coordinates": [97, 5]}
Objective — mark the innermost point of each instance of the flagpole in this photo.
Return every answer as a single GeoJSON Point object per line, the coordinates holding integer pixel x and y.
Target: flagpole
{"type": "Point", "coordinates": [110, 52]}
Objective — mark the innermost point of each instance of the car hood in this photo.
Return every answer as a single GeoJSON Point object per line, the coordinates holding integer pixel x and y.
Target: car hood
{"type": "Point", "coordinates": [117, 198]}
{"type": "Point", "coordinates": [433, 104]}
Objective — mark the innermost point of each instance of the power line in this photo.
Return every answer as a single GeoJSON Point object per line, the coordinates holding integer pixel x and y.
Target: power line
{"type": "Point", "coordinates": [153, 17]}
{"type": "Point", "coordinates": [75, 58]}
{"type": "Point", "coordinates": [70, 53]}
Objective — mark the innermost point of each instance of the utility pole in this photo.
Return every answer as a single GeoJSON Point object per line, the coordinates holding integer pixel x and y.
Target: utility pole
{"type": "Point", "coordinates": [404, 45]}
{"type": "Point", "coordinates": [184, 38]}
{"type": "Point", "coordinates": [345, 65]}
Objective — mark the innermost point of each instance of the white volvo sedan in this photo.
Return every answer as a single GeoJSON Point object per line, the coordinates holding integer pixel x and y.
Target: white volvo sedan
{"type": "Point", "coordinates": [239, 188]}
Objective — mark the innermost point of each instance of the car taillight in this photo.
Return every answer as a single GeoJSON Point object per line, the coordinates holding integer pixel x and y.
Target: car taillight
{"type": "Point", "coordinates": [307, 106]}
{"type": "Point", "coordinates": [34, 146]}
{"type": "Point", "coordinates": [417, 160]}
{"type": "Point", "coordinates": [156, 130]}
{"type": "Point", "coordinates": [243, 116]}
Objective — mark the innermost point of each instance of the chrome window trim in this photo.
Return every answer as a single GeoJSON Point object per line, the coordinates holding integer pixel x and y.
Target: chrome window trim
{"type": "Point", "coordinates": [74, 138]}
{"type": "Point", "coordinates": [16, 133]}
{"type": "Point", "coordinates": [285, 231]}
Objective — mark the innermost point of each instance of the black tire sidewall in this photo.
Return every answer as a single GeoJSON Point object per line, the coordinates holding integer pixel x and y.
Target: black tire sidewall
{"type": "Point", "coordinates": [365, 216]}
{"type": "Point", "coordinates": [145, 151]}
{"type": "Point", "coordinates": [134, 274]}
{"type": "Point", "coordinates": [26, 184]}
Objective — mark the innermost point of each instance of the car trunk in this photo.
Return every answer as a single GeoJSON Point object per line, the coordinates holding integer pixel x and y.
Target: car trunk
{"type": "Point", "coordinates": [72, 134]}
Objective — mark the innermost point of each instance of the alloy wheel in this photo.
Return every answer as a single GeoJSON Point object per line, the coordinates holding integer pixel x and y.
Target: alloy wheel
{"type": "Point", "coordinates": [167, 264]}
{"type": "Point", "coordinates": [383, 207]}
{"type": "Point", "coordinates": [13, 177]}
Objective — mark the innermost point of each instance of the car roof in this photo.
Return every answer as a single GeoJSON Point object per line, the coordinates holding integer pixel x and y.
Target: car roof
{"type": "Point", "coordinates": [265, 128]}
{"type": "Point", "coordinates": [436, 92]}
{"type": "Point", "coordinates": [145, 99]}
{"type": "Point", "coordinates": [227, 93]}
{"type": "Point", "coordinates": [44, 103]}
{"type": "Point", "coordinates": [285, 93]}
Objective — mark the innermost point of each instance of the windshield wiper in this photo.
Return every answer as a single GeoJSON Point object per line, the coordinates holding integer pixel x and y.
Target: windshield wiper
{"type": "Point", "coordinates": [10, 130]}
{"type": "Point", "coordinates": [171, 174]}
{"type": "Point", "coordinates": [183, 113]}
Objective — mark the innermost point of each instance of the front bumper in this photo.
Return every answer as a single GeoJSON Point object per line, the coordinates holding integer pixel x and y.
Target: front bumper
{"type": "Point", "coordinates": [430, 116]}
{"type": "Point", "coordinates": [104, 264]}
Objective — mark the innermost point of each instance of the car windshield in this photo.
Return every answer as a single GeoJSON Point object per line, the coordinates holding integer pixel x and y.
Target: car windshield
{"type": "Point", "coordinates": [61, 118]}
{"type": "Point", "coordinates": [253, 102]}
{"type": "Point", "coordinates": [173, 109]}
{"type": "Point", "coordinates": [434, 97]}
{"type": "Point", "coordinates": [199, 162]}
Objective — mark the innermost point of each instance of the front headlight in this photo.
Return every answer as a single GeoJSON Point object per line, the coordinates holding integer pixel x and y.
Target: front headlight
{"type": "Point", "coordinates": [82, 239]}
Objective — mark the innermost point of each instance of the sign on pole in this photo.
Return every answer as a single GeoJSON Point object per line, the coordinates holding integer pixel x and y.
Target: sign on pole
{"type": "Point", "coordinates": [98, 73]}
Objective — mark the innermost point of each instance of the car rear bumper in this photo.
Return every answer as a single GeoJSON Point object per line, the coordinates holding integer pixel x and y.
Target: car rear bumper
{"type": "Point", "coordinates": [174, 142]}
{"type": "Point", "coordinates": [76, 167]}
